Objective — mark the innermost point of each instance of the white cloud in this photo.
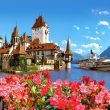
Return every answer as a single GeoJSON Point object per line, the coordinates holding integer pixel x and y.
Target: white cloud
{"type": "Point", "coordinates": [76, 27]}
{"type": "Point", "coordinates": [87, 28]}
{"type": "Point", "coordinates": [73, 45]}
{"type": "Point", "coordinates": [100, 12]}
{"type": "Point", "coordinates": [104, 12]}
{"type": "Point", "coordinates": [97, 32]}
{"type": "Point", "coordinates": [103, 23]}
{"type": "Point", "coordinates": [51, 41]}
{"type": "Point", "coordinates": [92, 38]}
{"type": "Point", "coordinates": [103, 33]}
{"type": "Point", "coordinates": [61, 48]}
{"type": "Point", "coordinates": [64, 42]}
{"type": "Point", "coordinates": [56, 43]}
{"type": "Point", "coordinates": [94, 46]}
{"type": "Point", "coordinates": [79, 51]}
{"type": "Point", "coordinates": [96, 28]}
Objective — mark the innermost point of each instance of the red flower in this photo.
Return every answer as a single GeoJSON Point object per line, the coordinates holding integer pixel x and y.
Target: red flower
{"type": "Point", "coordinates": [80, 107]}
{"type": "Point", "coordinates": [59, 82]}
{"type": "Point", "coordinates": [102, 82]}
{"type": "Point", "coordinates": [66, 83]}
{"type": "Point", "coordinates": [58, 91]}
{"type": "Point", "coordinates": [54, 101]}
{"type": "Point", "coordinates": [44, 91]}
{"type": "Point", "coordinates": [86, 79]}
{"type": "Point", "coordinates": [32, 108]}
{"type": "Point", "coordinates": [37, 79]}
{"type": "Point", "coordinates": [46, 74]}
{"type": "Point", "coordinates": [62, 104]}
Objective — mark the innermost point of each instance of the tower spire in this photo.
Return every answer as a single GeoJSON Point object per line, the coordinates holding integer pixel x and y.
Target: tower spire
{"type": "Point", "coordinates": [16, 31]}
{"type": "Point", "coordinates": [6, 43]}
{"type": "Point", "coordinates": [68, 51]}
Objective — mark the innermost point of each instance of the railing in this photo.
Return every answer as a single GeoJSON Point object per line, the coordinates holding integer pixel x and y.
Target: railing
{"type": "Point", "coordinates": [2, 105]}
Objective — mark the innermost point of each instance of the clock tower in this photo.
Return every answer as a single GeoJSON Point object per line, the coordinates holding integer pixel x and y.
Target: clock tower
{"type": "Point", "coordinates": [40, 30]}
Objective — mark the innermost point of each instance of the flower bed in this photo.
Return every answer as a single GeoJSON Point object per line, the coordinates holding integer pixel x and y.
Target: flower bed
{"type": "Point", "coordinates": [37, 92]}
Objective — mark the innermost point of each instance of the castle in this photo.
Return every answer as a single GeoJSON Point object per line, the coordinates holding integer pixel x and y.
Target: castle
{"type": "Point", "coordinates": [37, 50]}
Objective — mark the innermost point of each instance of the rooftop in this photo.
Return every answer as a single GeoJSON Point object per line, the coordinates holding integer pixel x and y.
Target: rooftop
{"type": "Point", "coordinates": [39, 22]}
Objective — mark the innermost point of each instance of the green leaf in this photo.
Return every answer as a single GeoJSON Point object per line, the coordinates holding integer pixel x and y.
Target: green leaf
{"type": "Point", "coordinates": [33, 89]}
{"type": "Point", "coordinates": [51, 92]}
{"type": "Point", "coordinates": [30, 82]}
{"type": "Point", "coordinates": [37, 107]}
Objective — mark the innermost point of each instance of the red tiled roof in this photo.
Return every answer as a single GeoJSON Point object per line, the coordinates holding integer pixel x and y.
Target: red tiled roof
{"type": "Point", "coordinates": [35, 42]}
{"type": "Point", "coordinates": [39, 22]}
{"type": "Point", "coordinates": [19, 50]}
{"type": "Point", "coordinates": [4, 49]}
{"type": "Point", "coordinates": [25, 38]}
{"type": "Point", "coordinates": [36, 46]}
{"type": "Point", "coordinates": [68, 51]}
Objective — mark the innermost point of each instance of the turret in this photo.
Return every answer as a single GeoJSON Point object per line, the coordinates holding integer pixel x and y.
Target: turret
{"type": "Point", "coordinates": [6, 43]}
{"type": "Point", "coordinates": [15, 37]}
{"type": "Point", "coordinates": [25, 41]}
{"type": "Point", "coordinates": [40, 30]}
{"type": "Point", "coordinates": [68, 56]}
{"type": "Point", "coordinates": [0, 42]}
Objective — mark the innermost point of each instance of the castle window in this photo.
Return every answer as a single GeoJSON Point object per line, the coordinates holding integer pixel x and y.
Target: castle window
{"type": "Point", "coordinates": [42, 52]}
{"type": "Point", "coordinates": [51, 52]}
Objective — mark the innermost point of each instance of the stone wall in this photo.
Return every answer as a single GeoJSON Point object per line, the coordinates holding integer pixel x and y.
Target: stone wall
{"type": "Point", "coordinates": [45, 67]}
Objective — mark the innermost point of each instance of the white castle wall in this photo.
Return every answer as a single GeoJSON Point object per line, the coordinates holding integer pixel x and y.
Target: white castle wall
{"type": "Point", "coordinates": [68, 65]}
{"type": "Point", "coordinates": [26, 45]}
{"type": "Point", "coordinates": [0, 44]}
{"type": "Point", "coordinates": [41, 33]}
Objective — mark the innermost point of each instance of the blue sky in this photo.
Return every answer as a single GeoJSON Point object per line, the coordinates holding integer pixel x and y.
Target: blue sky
{"type": "Point", "coordinates": [85, 22]}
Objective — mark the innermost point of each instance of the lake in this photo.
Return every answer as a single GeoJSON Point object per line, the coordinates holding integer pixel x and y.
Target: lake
{"type": "Point", "coordinates": [75, 74]}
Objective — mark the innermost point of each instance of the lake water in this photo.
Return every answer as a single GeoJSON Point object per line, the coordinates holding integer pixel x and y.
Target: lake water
{"type": "Point", "coordinates": [75, 74]}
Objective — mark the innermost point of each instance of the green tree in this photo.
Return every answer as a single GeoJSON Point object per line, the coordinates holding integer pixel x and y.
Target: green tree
{"type": "Point", "coordinates": [22, 63]}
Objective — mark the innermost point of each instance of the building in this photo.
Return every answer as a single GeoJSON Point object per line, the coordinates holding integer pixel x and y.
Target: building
{"type": "Point", "coordinates": [40, 30]}
{"type": "Point", "coordinates": [38, 51]}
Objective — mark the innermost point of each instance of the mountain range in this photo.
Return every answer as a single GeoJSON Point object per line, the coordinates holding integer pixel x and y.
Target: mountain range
{"type": "Point", "coordinates": [106, 53]}
{"type": "Point", "coordinates": [77, 57]}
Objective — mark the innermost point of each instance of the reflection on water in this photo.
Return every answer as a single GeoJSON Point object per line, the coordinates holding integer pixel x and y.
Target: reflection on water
{"type": "Point", "coordinates": [75, 74]}
{"type": "Point", "coordinates": [2, 75]}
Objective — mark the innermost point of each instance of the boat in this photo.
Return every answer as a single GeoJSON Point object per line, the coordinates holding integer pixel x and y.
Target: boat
{"type": "Point", "coordinates": [95, 63]}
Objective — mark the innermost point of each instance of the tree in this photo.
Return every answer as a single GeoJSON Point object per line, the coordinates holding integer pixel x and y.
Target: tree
{"type": "Point", "coordinates": [22, 63]}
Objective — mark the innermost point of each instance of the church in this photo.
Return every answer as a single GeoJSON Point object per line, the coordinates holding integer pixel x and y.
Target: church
{"type": "Point", "coordinates": [37, 49]}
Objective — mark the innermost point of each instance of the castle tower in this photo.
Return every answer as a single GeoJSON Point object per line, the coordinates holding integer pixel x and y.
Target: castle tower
{"type": "Point", "coordinates": [15, 37]}
{"type": "Point", "coordinates": [0, 42]}
{"type": "Point", "coordinates": [68, 56]}
{"type": "Point", "coordinates": [25, 41]}
{"type": "Point", "coordinates": [40, 30]}
{"type": "Point", "coordinates": [6, 43]}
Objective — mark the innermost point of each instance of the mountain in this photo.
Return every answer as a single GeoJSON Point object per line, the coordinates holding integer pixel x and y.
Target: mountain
{"type": "Point", "coordinates": [106, 53]}
{"type": "Point", "coordinates": [77, 56]}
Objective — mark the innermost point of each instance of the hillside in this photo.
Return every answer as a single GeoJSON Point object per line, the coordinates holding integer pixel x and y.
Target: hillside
{"type": "Point", "coordinates": [106, 53]}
